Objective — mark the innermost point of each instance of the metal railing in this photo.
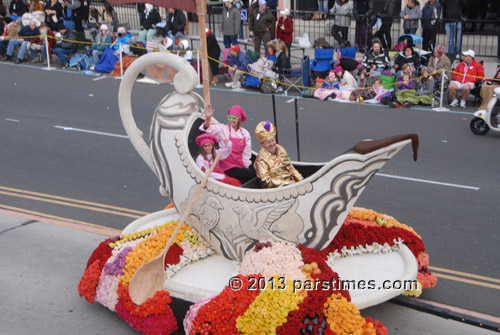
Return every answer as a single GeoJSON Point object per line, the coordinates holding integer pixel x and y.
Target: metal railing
{"type": "Point", "coordinates": [479, 35]}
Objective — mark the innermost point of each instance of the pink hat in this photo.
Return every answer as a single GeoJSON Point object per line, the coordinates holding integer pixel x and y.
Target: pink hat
{"type": "Point", "coordinates": [238, 111]}
{"type": "Point", "coordinates": [440, 49]}
{"type": "Point", "coordinates": [331, 74]}
{"type": "Point", "coordinates": [338, 68]}
{"type": "Point", "coordinates": [206, 138]}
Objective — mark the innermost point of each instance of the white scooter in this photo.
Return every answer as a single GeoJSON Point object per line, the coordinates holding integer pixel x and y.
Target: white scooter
{"type": "Point", "coordinates": [484, 120]}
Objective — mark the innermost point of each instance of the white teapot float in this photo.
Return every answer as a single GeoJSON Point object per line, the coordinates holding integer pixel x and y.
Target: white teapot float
{"type": "Point", "coordinates": [232, 218]}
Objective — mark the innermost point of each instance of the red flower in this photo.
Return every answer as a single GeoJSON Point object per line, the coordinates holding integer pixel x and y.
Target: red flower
{"type": "Point", "coordinates": [155, 305]}
{"type": "Point", "coordinates": [88, 284]}
{"type": "Point", "coordinates": [158, 324]}
{"type": "Point", "coordinates": [173, 255]}
{"type": "Point", "coordinates": [218, 316]}
{"type": "Point", "coordinates": [102, 253]}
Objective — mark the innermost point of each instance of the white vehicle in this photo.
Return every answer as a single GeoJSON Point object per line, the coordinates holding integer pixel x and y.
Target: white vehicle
{"type": "Point", "coordinates": [484, 120]}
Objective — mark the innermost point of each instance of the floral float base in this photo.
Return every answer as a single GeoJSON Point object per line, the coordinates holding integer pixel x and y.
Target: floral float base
{"type": "Point", "coordinates": [270, 299]}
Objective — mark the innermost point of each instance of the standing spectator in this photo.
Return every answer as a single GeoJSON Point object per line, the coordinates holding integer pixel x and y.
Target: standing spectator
{"type": "Point", "coordinates": [16, 9]}
{"type": "Point", "coordinates": [140, 10]}
{"type": "Point", "coordinates": [464, 78]}
{"type": "Point", "coordinates": [272, 5]}
{"type": "Point", "coordinates": [53, 12]}
{"type": "Point", "coordinates": [213, 51]}
{"type": "Point", "coordinates": [230, 24]}
{"type": "Point", "coordinates": [176, 23]}
{"type": "Point", "coordinates": [285, 30]}
{"type": "Point", "coordinates": [343, 12]}
{"type": "Point", "coordinates": [109, 15]}
{"type": "Point", "coordinates": [439, 60]}
{"type": "Point", "coordinates": [101, 42]}
{"type": "Point", "coordinates": [77, 13]}
{"type": "Point", "coordinates": [376, 59]}
{"type": "Point", "coordinates": [362, 12]}
{"type": "Point", "coordinates": [29, 31]}
{"type": "Point", "coordinates": [387, 16]}
{"type": "Point", "coordinates": [151, 19]}
{"type": "Point", "coordinates": [238, 61]}
{"type": "Point", "coordinates": [260, 24]}
{"type": "Point", "coordinates": [239, 4]}
{"type": "Point", "coordinates": [452, 15]}
{"type": "Point", "coordinates": [410, 14]}
{"type": "Point", "coordinates": [39, 45]}
{"type": "Point", "coordinates": [67, 46]}
{"type": "Point", "coordinates": [430, 20]}
{"type": "Point", "coordinates": [323, 8]}
{"type": "Point", "coordinates": [3, 13]}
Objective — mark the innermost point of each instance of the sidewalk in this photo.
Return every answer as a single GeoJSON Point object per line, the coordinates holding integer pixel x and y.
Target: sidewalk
{"type": "Point", "coordinates": [42, 265]}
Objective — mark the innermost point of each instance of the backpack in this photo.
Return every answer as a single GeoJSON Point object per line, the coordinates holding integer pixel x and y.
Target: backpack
{"type": "Point", "coordinates": [79, 62]}
{"type": "Point", "coordinates": [266, 87]}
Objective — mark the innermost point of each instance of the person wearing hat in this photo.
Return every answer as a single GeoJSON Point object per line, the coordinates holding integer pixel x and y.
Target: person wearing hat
{"type": "Point", "coordinates": [260, 24]}
{"type": "Point", "coordinates": [67, 44]}
{"type": "Point", "coordinates": [101, 42]}
{"type": "Point", "coordinates": [439, 60]}
{"type": "Point", "coordinates": [151, 18]}
{"type": "Point", "coordinates": [22, 41]}
{"type": "Point", "coordinates": [207, 155]}
{"type": "Point", "coordinates": [346, 79]}
{"type": "Point", "coordinates": [464, 78]}
{"type": "Point", "coordinates": [176, 23]}
{"type": "Point", "coordinates": [284, 31]}
{"type": "Point", "coordinates": [230, 24]}
{"type": "Point", "coordinates": [238, 164]}
{"type": "Point", "coordinates": [185, 51]}
{"type": "Point", "coordinates": [38, 44]}
{"type": "Point", "coordinates": [238, 62]}
{"type": "Point", "coordinates": [273, 166]}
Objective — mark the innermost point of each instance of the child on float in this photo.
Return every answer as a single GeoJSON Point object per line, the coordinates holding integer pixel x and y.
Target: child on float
{"type": "Point", "coordinates": [207, 154]}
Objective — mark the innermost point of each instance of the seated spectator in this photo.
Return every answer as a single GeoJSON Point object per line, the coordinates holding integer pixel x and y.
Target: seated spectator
{"type": "Point", "coordinates": [439, 60]}
{"type": "Point", "coordinates": [425, 87]}
{"type": "Point", "coordinates": [75, 11]}
{"type": "Point", "coordinates": [487, 90]}
{"type": "Point", "coordinates": [329, 89]}
{"type": "Point", "coordinates": [16, 10]}
{"type": "Point", "coordinates": [29, 30]}
{"type": "Point", "coordinates": [176, 23]}
{"type": "Point", "coordinates": [464, 78]}
{"type": "Point", "coordinates": [101, 42]}
{"type": "Point", "coordinates": [282, 58]}
{"type": "Point", "coordinates": [331, 82]}
{"type": "Point", "coordinates": [346, 79]}
{"type": "Point", "coordinates": [407, 56]}
{"type": "Point", "coordinates": [238, 61]}
{"type": "Point", "coordinates": [410, 14]}
{"type": "Point", "coordinates": [13, 29]}
{"type": "Point", "coordinates": [272, 165]}
{"type": "Point", "coordinates": [376, 59]}
{"type": "Point", "coordinates": [39, 44]}
{"type": "Point", "coordinates": [66, 46]}
{"type": "Point", "coordinates": [185, 51]}
{"type": "Point", "coordinates": [109, 16]}
{"type": "Point", "coordinates": [53, 12]}
{"type": "Point", "coordinates": [404, 83]}
{"type": "Point", "coordinates": [381, 92]}
{"type": "Point", "coordinates": [363, 78]}
{"type": "Point", "coordinates": [151, 19]}
{"type": "Point", "coordinates": [111, 55]}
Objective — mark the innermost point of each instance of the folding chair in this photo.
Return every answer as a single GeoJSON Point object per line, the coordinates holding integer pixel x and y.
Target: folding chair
{"type": "Point", "coordinates": [298, 75]}
{"type": "Point", "coordinates": [348, 52]}
{"type": "Point", "coordinates": [323, 62]}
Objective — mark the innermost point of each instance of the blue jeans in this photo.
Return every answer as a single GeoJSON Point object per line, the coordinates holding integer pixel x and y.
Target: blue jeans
{"type": "Point", "coordinates": [174, 37]}
{"type": "Point", "coordinates": [454, 30]}
{"type": "Point", "coordinates": [241, 30]}
{"type": "Point", "coordinates": [323, 6]}
{"type": "Point", "coordinates": [22, 49]}
{"type": "Point", "coordinates": [230, 39]}
{"type": "Point", "coordinates": [61, 54]}
{"type": "Point", "coordinates": [410, 31]}
{"type": "Point", "coordinates": [95, 54]}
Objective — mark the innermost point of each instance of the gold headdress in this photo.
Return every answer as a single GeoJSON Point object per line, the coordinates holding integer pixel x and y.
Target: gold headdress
{"type": "Point", "coordinates": [265, 130]}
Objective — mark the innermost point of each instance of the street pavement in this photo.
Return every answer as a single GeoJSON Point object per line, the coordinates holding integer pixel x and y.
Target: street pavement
{"type": "Point", "coordinates": [42, 266]}
{"type": "Point", "coordinates": [451, 198]}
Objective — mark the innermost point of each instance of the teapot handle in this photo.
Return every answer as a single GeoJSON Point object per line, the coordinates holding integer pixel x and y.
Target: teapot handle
{"type": "Point", "coordinates": [185, 80]}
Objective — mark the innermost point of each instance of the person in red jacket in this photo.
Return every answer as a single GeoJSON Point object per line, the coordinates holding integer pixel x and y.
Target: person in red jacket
{"type": "Point", "coordinates": [464, 78]}
{"type": "Point", "coordinates": [285, 29]}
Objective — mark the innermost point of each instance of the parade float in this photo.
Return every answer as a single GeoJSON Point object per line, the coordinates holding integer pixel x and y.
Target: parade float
{"type": "Point", "coordinates": [299, 259]}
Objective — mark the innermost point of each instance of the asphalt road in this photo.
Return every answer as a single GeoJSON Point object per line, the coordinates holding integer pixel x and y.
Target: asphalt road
{"type": "Point", "coordinates": [452, 200]}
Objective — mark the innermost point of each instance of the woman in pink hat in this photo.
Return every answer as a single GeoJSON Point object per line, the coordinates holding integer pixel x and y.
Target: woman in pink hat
{"type": "Point", "coordinates": [207, 154]}
{"type": "Point", "coordinates": [238, 164]}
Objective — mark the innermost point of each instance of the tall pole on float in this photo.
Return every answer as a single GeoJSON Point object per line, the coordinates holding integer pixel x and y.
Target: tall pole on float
{"type": "Point", "coordinates": [201, 10]}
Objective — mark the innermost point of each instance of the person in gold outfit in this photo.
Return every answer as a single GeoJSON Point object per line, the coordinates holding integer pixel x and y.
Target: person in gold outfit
{"type": "Point", "coordinates": [273, 166]}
